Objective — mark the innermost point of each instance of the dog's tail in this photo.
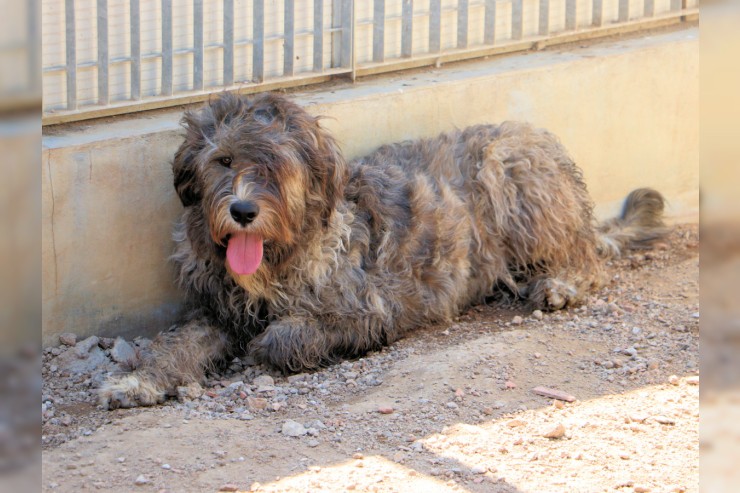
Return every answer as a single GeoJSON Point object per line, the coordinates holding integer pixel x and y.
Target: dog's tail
{"type": "Point", "coordinates": [638, 226]}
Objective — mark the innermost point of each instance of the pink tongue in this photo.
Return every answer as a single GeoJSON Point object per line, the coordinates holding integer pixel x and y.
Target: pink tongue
{"type": "Point", "coordinates": [244, 253]}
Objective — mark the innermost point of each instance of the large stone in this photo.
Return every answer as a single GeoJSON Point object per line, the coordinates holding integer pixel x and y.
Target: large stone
{"type": "Point", "coordinates": [123, 352]}
{"type": "Point", "coordinates": [293, 429]}
{"type": "Point", "coordinates": [84, 347]}
{"type": "Point", "coordinates": [93, 361]}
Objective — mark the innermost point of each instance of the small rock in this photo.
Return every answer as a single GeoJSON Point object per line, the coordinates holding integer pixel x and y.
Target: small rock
{"type": "Point", "coordinates": [293, 429]}
{"type": "Point", "coordinates": [638, 417]}
{"type": "Point", "coordinates": [630, 351]}
{"type": "Point", "coordinates": [693, 380]}
{"type": "Point", "coordinates": [515, 423]}
{"type": "Point", "coordinates": [166, 467]}
{"type": "Point", "coordinates": [68, 339]}
{"type": "Point", "coordinates": [555, 433]}
{"type": "Point", "coordinates": [385, 410]}
{"type": "Point", "coordinates": [664, 420]}
{"type": "Point", "coordinates": [263, 381]}
{"type": "Point", "coordinates": [517, 320]}
{"type": "Point", "coordinates": [488, 411]}
{"type": "Point", "coordinates": [313, 443]}
{"type": "Point", "coordinates": [256, 403]}
{"type": "Point", "coordinates": [674, 380]}
{"type": "Point", "coordinates": [141, 480]}
{"type": "Point", "coordinates": [229, 487]}
{"type": "Point", "coordinates": [510, 385]}
{"type": "Point", "coordinates": [300, 377]}
{"type": "Point", "coordinates": [358, 456]}
{"type": "Point", "coordinates": [642, 489]}
{"type": "Point", "coordinates": [451, 405]}
{"type": "Point", "coordinates": [106, 342]}
{"type": "Point", "coordinates": [478, 470]}
{"type": "Point", "coordinates": [537, 315]}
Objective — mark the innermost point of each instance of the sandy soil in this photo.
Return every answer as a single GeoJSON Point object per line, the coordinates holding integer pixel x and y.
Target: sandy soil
{"type": "Point", "coordinates": [450, 408]}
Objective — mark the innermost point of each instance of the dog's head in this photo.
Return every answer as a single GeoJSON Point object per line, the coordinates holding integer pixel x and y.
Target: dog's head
{"type": "Point", "coordinates": [263, 173]}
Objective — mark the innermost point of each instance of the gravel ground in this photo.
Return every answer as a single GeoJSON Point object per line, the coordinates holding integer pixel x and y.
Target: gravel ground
{"type": "Point", "coordinates": [450, 408]}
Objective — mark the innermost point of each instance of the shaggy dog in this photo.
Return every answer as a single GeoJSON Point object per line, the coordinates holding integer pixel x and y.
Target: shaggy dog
{"type": "Point", "coordinates": [288, 252]}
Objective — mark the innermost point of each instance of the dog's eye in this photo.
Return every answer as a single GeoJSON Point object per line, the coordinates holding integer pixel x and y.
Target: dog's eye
{"type": "Point", "coordinates": [225, 161]}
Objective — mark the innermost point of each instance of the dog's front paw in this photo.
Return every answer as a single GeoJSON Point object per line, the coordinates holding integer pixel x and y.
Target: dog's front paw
{"type": "Point", "coordinates": [130, 391]}
{"type": "Point", "coordinates": [291, 347]}
{"type": "Point", "coordinates": [559, 294]}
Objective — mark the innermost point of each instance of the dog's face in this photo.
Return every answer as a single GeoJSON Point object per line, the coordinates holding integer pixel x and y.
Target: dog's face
{"type": "Point", "coordinates": [263, 173]}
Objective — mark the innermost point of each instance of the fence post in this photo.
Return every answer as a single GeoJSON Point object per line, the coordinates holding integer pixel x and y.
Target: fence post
{"type": "Point", "coordinates": [462, 23]}
{"type": "Point", "coordinates": [135, 20]}
{"type": "Point", "coordinates": [70, 53]}
{"type": "Point", "coordinates": [167, 47]}
{"type": "Point", "coordinates": [378, 31]}
{"type": "Point", "coordinates": [258, 46]}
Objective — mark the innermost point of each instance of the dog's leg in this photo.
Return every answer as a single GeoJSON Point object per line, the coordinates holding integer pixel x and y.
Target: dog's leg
{"type": "Point", "coordinates": [294, 345]}
{"type": "Point", "coordinates": [179, 356]}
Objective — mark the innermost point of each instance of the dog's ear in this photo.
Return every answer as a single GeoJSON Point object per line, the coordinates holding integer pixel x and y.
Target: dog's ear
{"type": "Point", "coordinates": [183, 167]}
{"type": "Point", "coordinates": [329, 170]}
{"type": "Point", "coordinates": [265, 115]}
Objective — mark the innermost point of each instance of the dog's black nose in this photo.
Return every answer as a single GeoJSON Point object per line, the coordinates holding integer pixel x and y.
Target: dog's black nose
{"type": "Point", "coordinates": [244, 212]}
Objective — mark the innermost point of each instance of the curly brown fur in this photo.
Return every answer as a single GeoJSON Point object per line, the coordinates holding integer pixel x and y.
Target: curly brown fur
{"type": "Point", "coordinates": [355, 255]}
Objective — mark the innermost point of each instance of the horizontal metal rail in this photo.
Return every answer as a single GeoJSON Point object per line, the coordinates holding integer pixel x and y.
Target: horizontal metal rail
{"type": "Point", "coordinates": [394, 39]}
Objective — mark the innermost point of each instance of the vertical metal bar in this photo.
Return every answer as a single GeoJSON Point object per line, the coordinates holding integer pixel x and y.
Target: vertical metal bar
{"type": "Point", "coordinates": [517, 20]}
{"type": "Point", "coordinates": [135, 19]}
{"type": "Point", "coordinates": [407, 27]}
{"type": "Point", "coordinates": [489, 29]}
{"type": "Point", "coordinates": [544, 27]}
{"type": "Point", "coordinates": [71, 53]}
{"type": "Point", "coordinates": [198, 43]}
{"type": "Point", "coordinates": [598, 13]}
{"type": "Point", "coordinates": [258, 46]}
{"type": "Point", "coordinates": [289, 40]}
{"type": "Point", "coordinates": [676, 5]}
{"type": "Point", "coordinates": [228, 42]}
{"type": "Point", "coordinates": [318, 35]}
{"type": "Point", "coordinates": [103, 58]}
{"type": "Point", "coordinates": [347, 34]}
{"type": "Point", "coordinates": [571, 12]}
{"type": "Point", "coordinates": [379, 31]}
{"type": "Point", "coordinates": [624, 10]}
{"type": "Point", "coordinates": [167, 47]}
{"type": "Point", "coordinates": [435, 26]}
{"type": "Point", "coordinates": [649, 8]}
{"type": "Point", "coordinates": [462, 23]}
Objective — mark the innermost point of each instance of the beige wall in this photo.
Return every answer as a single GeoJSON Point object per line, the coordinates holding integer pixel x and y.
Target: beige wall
{"type": "Point", "coordinates": [627, 110]}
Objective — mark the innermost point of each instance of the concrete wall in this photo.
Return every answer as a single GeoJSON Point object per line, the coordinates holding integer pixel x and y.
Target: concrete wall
{"type": "Point", "coordinates": [627, 110]}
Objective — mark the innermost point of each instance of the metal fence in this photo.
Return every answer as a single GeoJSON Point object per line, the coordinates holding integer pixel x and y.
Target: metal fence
{"type": "Point", "coordinates": [107, 57]}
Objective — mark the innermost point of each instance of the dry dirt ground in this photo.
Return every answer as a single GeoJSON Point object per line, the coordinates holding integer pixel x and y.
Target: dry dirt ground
{"type": "Point", "coordinates": [450, 408]}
